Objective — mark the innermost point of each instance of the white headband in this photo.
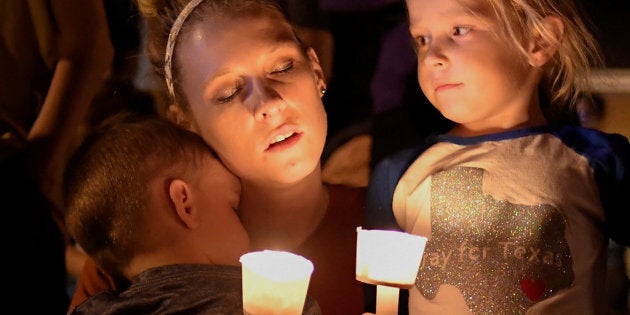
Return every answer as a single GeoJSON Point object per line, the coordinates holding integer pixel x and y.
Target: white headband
{"type": "Point", "coordinates": [170, 44]}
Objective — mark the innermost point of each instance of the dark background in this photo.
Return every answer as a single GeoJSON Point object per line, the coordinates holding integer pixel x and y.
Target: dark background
{"type": "Point", "coordinates": [611, 19]}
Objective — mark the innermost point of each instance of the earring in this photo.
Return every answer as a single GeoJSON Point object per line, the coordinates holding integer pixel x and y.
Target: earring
{"type": "Point", "coordinates": [323, 91]}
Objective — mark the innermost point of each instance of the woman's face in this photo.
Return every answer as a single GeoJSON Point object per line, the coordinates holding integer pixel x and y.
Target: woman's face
{"type": "Point", "coordinates": [254, 96]}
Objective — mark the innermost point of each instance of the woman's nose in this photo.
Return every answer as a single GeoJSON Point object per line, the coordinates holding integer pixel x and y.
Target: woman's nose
{"type": "Point", "coordinates": [268, 102]}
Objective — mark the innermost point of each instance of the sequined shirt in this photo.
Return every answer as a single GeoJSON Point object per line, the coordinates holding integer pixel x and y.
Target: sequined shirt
{"type": "Point", "coordinates": [517, 222]}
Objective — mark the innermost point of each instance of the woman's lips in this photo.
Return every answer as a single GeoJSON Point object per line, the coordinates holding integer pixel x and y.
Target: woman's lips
{"type": "Point", "coordinates": [286, 143]}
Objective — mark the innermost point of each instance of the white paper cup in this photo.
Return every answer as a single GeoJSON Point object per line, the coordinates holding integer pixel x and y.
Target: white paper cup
{"type": "Point", "coordinates": [275, 282]}
{"type": "Point", "coordinates": [389, 258]}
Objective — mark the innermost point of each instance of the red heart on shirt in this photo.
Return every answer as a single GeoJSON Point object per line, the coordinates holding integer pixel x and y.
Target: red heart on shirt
{"type": "Point", "coordinates": [534, 289]}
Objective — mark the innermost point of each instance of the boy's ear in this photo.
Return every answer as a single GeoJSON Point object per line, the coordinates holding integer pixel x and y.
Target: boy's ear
{"type": "Point", "coordinates": [317, 68]}
{"type": "Point", "coordinates": [182, 199]}
{"type": "Point", "coordinates": [542, 47]}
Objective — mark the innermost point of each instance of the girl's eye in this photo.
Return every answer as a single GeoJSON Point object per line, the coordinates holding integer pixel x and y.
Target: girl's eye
{"type": "Point", "coordinates": [422, 40]}
{"type": "Point", "coordinates": [420, 43]}
{"type": "Point", "coordinates": [461, 30]}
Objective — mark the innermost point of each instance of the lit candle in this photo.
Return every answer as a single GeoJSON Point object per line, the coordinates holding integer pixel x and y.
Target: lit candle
{"type": "Point", "coordinates": [274, 282]}
{"type": "Point", "coordinates": [390, 260]}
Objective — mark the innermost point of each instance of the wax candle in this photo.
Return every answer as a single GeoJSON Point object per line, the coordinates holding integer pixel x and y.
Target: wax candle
{"type": "Point", "coordinates": [274, 282]}
{"type": "Point", "coordinates": [390, 260]}
{"type": "Point", "coordinates": [388, 257]}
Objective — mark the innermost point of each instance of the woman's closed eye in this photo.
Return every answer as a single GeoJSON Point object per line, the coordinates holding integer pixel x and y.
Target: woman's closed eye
{"type": "Point", "coordinates": [283, 68]}
{"type": "Point", "coordinates": [227, 95]}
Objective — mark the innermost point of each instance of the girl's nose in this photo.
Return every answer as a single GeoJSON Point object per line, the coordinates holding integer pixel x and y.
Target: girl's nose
{"type": "Point", "coordinates": [435, 56]}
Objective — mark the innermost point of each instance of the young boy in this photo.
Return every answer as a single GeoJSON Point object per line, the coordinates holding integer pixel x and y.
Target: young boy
{"type": "Point", "coordinates": [150, 202]}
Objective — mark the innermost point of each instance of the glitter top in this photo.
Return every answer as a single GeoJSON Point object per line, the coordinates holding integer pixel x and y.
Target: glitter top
{"type": "Point", "coordinates": [515, 220]}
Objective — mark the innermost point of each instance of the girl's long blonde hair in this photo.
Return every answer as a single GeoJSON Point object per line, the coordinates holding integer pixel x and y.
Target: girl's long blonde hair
{"type": "Point", "coordinates": [568, 74]}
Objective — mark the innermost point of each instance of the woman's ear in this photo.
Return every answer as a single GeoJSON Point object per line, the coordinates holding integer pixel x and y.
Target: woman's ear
{"type": "Point", "coordinates": [183, 202]}
{"type": "Point", "coordinates": [542, 47]}
{"type": "Point", "coordinates": [317, 68]}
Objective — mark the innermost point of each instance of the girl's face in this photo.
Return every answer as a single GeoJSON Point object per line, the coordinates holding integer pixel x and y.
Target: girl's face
{"type": "Point", "coordinates": [467, 68]}
{"type": "Point", "coordinates": [254, 96]}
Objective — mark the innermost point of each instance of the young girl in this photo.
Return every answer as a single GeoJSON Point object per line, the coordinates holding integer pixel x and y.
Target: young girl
{"type": "Point", "coordinates": [236, 74]}
{"type": "Point", "coordinates": [517, 206]}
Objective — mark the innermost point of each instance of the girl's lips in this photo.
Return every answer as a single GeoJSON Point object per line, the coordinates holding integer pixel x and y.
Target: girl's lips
{"type": "Point", "coordinates": [444, 87]}
{"type": "Point", "coordinates": [286, 143]}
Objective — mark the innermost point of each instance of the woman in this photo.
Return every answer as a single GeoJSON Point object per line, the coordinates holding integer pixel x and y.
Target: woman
{"type": "Point", "coordinates": [237, 75]}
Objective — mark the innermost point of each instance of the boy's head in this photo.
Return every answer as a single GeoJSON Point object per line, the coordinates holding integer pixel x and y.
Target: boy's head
{"type": "Point", "coordinates": [142, 192]}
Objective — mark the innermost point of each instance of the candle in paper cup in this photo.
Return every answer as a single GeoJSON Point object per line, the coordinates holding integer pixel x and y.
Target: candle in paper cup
{"type": "Point", "coordinates": [274, 282]}
{"type": "Point", "coordinates": [389, 258]}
